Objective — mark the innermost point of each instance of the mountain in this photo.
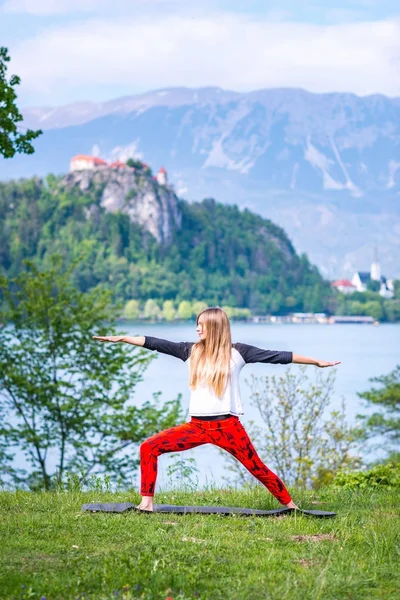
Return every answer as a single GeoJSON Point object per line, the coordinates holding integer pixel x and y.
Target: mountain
{"type": "Point", "coordinates": [136, 238]}
{"type": "Point", "coordinates": [326, 167]}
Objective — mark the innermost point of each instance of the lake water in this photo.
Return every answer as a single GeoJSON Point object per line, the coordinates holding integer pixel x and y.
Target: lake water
{"type": "Point", "coordinates": [365, 351]}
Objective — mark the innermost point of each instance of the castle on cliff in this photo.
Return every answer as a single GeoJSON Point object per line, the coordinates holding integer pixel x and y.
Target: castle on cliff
{"type": "Point", "coordinates": [83, 162]}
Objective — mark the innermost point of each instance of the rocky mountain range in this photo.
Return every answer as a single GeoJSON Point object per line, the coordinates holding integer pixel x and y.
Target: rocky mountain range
{"type": "Point", "coordinates": [326, 167]}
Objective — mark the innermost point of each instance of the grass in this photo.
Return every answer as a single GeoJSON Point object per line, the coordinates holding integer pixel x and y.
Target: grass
{"type": "Point", "coordinates": [50, 549]}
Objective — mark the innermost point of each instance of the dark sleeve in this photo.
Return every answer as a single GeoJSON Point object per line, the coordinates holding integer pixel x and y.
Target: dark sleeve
{"type": "Point", "coordinates": [178, 349]}
{"type": "Point", "coordinates": [252, 354]}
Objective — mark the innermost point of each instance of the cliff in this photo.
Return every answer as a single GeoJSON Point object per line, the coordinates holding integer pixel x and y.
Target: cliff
{"type": "Point", "coordinates": [135, 193]}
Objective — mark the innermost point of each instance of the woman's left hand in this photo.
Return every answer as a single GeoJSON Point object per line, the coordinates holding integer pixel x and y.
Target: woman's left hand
{"type": "Point", "coordinates": [326, 363]}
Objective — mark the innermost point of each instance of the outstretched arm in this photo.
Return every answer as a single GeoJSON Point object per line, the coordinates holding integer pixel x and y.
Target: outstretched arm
{"type": "Point", "coordinates": [178, 349]}
{"type": "Point", "coordinates": [135, 341]}
{"type": "Point", "coordinates": [305, 360]}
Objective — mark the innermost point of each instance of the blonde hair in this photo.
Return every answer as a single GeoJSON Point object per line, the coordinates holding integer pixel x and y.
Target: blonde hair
{"type": "Point", "coordinates": [210, 359]}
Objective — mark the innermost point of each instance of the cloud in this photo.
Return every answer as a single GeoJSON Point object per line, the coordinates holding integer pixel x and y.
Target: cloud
{"type": "Point", "coordinates": [226, 50]}
{"type": "Point", "coordinates": [70, 7]}
{"type": "Point", "coordinates": [50, 7]}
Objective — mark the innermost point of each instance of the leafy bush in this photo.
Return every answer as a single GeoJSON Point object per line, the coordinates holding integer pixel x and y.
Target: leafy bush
{"type": "Point", "coordinates": [295, 434]}
{"type": "Point", "coordinates": [387, 474]}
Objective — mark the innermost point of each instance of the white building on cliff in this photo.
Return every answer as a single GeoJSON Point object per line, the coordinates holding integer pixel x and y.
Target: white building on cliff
{"type": "Point", "coordinates": [162, 176]}
{"type": "Point", "coordinates": [81, 162]}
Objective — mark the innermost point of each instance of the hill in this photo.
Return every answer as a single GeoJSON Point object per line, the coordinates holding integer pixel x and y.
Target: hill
{"type": "Point", "coordinates": [330, 162]}
{"type": "Point", "coordinates": [141, 241]}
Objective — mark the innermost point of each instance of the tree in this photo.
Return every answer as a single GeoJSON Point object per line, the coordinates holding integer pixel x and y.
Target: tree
{"type": "Point", "coordinates": [392, 309]}
{"type": "Point", "coordinates": [386, 422]}
{"type": "Point", "coordinates": [185, 310]}
{"type": "Point", "coordinates": [132, 310]}
{"type": "Point", "coordinates": [373, 285]}
{"type": "Point", "coordinates": [374, 309]}
{"type": "Point", "coordinates": [11, 140]}
{"type": "Point", "coordinates": [168, 310]}
{"type": "Point", "coordinates": [296, 438]}
{"type": "Point", "coordinates": [198, 306]}
{"type": "Point", "coordinates": [151, 310]}
{"type": "Point", "coordinates": [65, 397]}
{"type": "Point", "coordinates": [134, 163]}
{"type": "Point", "coordinates": [229, 311]}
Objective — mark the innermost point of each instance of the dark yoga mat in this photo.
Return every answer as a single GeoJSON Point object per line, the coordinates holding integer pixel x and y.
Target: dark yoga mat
{"type": "Point", "coordinates": [206, 510]}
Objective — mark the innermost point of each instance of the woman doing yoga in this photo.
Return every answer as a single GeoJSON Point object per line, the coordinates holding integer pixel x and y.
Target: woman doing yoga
{"type": "Point", "coordinates": [214, 366]}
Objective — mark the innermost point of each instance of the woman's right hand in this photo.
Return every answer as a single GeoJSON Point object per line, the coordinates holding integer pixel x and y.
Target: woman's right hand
{"type": "Point", "coordinates": [109, 338]}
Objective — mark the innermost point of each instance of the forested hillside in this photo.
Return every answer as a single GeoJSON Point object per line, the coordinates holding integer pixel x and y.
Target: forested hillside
{"type": "Point", "coordinates": [217, 253]}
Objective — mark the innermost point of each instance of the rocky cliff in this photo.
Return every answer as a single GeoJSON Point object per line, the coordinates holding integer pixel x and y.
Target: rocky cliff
{"type": "Point", "coordinates": [135, 193]}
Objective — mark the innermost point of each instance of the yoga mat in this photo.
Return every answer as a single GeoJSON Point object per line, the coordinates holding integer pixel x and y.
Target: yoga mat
{"type": "Point", "coordinates": [205, 510]}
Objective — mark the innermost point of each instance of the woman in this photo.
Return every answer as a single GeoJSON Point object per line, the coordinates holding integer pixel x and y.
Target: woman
{"type": "Point", "coordinates": [214, 366]}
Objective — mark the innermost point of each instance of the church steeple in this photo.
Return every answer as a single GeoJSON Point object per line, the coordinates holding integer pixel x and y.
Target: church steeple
{"type": "Point", "coordinates": [375, 271]}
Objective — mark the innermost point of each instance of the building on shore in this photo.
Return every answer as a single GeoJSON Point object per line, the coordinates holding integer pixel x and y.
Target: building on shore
{"type": "Point", "coordinates": [309, 318]}
{"type": "Point", "coordinates": [361, 279]}
{"type": "Point", "coordinates": [312, 318]}
{"type": "Point", "coordinates": [344, 286]}
{"type": "Point", "coordinates": [338, 319]}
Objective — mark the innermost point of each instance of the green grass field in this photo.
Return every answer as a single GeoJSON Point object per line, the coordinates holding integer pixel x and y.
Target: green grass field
{"type": "Point", "coordinates": [50, 549]}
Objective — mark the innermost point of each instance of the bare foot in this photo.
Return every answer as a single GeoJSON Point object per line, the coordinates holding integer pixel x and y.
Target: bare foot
{"type": "Point", "coordinates": [291, 504]}
{"type": "Point", "coordinates": [146, 504]}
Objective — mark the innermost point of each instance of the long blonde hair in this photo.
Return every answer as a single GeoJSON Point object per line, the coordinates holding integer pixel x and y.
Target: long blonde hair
{"type": "Point", "coordinates": [210, 359]}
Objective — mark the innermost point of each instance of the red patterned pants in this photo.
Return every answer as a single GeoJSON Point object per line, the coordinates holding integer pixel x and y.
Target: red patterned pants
{"type": "Point", "coordinates": [228, 434]}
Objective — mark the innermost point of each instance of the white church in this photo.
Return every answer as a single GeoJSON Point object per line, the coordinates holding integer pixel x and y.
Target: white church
{"type": "Point", "coordinates": [360, 280]}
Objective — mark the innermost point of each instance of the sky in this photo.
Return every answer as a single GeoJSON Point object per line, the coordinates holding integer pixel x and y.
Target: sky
{"type": "Point", "coordinates": [95, 50]}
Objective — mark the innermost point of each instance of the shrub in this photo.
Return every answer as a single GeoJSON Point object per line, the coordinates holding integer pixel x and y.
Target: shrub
{"type": "Point", "coordinates": [381, 475]}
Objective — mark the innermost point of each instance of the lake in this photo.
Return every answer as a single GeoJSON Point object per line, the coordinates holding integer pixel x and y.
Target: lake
{"type": "Point", "coordinates": [365, 351]}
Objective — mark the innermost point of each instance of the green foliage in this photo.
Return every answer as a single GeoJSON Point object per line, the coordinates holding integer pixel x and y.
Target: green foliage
{"type": "Point", "coordinates": [134, 163]}
{"type": "Point", "coordinates": [381, 475]}
{"type": "Point", "coordinates": [392, 310]}
{"type": "Point", "coordinates": [373, 286]}
{"type": "Point", "coordinates": [369, 304]}
{"type": "Point", "coordinates": [168, 310]}
{"type": "Point", "coordinates": [220, 255]}
{"type": "Point", "coordinates": [132, 310]}
{"type": "Point", "coordinates": [386, 422]}
{"type": "Point", "coordinates": [152, 310]}
{"type": "Point", "coordinates": [182, 472]}
{"type": "Point", "coordinates": [185, 310]}
{"type": "Point", "coordinates": [64, 396]}
{"type": "Point", "coordinates": [131, 194]}
{"type": "Point", "coordinates": [297, 438]}
{"type": "Point", "coordinates": [11, 139]}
